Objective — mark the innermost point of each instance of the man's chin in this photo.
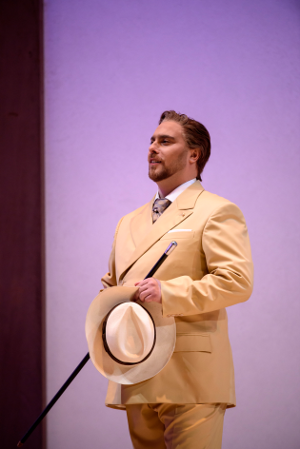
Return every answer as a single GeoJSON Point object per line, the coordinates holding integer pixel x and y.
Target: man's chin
{"type": "Point", "coordinates": [158, 176]}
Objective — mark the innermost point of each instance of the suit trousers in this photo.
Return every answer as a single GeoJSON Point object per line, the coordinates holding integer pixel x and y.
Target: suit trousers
{"type": "Point", "coordinates": [176, 426]}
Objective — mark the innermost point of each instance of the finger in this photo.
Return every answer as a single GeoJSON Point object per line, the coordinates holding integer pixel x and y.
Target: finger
{"type": "Point", "coordinates": [136, 295]}
{"type": "Point", "coordinates": [142, 283]}
{"type": "Point", "coordinates": [149, 298]}
{"type": "Point", "coordinates": [142, 295]}
{"type": "Point", "coordinates": [145, 293]}
{"type": "Point", "coordinates": [143, 288]}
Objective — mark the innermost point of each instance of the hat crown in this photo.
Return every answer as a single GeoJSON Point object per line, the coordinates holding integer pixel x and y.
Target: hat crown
{"type": "Point", "coordinates": [130, 333]}
{"type": "Point", "coordinates": [127, 373]}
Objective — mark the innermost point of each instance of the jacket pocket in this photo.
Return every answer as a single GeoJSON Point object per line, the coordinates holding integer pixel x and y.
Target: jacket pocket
{"type": "Point", "coordinates": [178, 235]}
{"type": "Point", "coordinates": [192, 343]}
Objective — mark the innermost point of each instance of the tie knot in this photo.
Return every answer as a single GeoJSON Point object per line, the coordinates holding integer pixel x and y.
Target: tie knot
{"type": "Point", "coordinates": [159, 206]}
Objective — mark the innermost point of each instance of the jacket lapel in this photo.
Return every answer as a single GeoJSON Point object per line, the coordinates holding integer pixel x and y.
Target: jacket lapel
{"type": "Point", "coordinates": [141, 224]}
{"type": "Point", "coordinates": [145, 234]}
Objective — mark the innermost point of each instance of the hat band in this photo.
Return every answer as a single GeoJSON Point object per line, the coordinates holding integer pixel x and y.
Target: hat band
{"type": "Point", "coordinates": [106, 347]}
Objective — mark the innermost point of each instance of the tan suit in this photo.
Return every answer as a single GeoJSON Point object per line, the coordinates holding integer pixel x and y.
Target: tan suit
{"type": "Point", "coordinates": [210, 269]}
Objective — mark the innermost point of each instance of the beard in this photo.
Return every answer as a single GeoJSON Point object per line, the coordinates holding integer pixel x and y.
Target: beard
{"type": "Point", "coordinates": [160, 171]}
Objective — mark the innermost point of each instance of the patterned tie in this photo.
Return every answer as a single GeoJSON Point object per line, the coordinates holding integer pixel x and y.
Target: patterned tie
{"type": "Point", "coordinates": [159, 206]}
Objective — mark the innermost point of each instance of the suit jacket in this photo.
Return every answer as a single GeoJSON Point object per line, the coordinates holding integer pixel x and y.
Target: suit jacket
{"type": "Point", "coordinates": [210, 269]}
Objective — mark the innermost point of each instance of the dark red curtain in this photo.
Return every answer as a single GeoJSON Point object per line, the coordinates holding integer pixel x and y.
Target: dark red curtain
{"type": "Point", "coordinates": [21, 221]}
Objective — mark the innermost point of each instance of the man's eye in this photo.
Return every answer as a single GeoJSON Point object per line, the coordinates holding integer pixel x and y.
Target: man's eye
{"type": "Point", "coordinates": [165, 141]}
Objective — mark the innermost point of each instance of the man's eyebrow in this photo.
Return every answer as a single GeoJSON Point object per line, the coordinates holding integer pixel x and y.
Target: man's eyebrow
{"type": "Point", "coordinates": [162, 136]}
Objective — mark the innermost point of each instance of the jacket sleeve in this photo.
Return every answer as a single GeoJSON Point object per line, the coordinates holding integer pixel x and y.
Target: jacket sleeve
{"type": "Point", "coordinates": [109, 279]}
{"type": "Point", "coordinates": [226, 246]}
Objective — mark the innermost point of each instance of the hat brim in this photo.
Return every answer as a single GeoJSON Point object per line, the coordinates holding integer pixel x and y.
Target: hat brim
{"type": "Point", "coordinates": [112, 370]}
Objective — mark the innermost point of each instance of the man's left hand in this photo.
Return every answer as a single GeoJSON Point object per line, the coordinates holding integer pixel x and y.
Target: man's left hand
{"type": "Point", "coordinates": [149, 290]}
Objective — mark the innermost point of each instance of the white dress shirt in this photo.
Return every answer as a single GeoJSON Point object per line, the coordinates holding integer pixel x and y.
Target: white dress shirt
{"type": "Point", "coordinates": [176, 192]}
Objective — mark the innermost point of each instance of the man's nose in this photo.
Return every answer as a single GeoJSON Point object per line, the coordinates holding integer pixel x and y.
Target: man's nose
{"type": "Point", "coordinates": [153, 147]}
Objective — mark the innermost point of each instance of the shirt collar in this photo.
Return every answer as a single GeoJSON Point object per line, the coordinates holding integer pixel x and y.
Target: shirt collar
{"type": "Point", "coordinates": [176, 192]}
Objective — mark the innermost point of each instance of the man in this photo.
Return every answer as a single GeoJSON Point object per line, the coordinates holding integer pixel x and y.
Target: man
{"type": "Point", "coordinates": [183, 406]}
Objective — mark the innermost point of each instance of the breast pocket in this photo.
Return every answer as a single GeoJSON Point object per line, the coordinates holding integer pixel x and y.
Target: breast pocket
{"type": "Point", "coordinates": [192, 343]}
{"type": "Point", "coordinates": [177, 235]}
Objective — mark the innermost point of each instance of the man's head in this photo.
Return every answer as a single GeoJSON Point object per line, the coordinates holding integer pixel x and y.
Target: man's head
{"type": "Point", "coordinates": [180, 147]}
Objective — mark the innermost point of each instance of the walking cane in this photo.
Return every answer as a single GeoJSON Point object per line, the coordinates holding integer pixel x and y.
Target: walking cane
{"type": "Point", "coordinates": [86, 358]}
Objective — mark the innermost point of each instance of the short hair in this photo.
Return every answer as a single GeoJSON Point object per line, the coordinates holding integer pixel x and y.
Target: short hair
{"type": "Point", "coordinates": [195, 134]}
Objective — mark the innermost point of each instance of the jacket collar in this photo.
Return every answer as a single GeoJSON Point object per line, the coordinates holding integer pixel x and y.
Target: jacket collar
{"type": "Point", "coordinates": [146, 234]}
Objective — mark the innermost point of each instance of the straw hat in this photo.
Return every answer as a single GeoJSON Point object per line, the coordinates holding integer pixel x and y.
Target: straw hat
{"type": "Point", "coordinates": [128, 342]}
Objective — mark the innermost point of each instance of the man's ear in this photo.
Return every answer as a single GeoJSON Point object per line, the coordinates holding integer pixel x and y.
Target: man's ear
{"type": "Point", "coordinates": [194, 154]}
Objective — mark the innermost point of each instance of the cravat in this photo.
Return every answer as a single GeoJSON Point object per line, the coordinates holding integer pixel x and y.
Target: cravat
{"type": "Point", "coordinates": [159, 206]}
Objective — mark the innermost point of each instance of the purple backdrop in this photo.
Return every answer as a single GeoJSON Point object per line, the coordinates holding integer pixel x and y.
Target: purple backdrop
{"type": "Point", "coordinates": [111, 69]}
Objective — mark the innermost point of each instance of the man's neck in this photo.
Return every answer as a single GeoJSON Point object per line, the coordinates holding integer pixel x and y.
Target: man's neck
{"type": "Point", "coordinates": [167, 186]}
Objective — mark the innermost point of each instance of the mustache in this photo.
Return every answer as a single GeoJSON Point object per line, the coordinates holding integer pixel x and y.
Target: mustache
{"type": "Point", "coordinates": [153, 157]}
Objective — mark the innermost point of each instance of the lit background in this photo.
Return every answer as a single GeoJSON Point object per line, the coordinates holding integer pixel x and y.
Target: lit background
{"type": "Point", "coordinates": [111, 68]}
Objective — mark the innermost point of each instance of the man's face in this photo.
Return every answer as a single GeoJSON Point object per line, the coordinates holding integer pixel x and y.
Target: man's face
{"type": "Point", "coordinates": [168, 151]}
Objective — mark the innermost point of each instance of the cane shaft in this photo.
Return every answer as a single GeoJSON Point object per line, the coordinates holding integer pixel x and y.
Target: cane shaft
{"type": "Point", "coordinates": [161, 260]}
{"type": "Point", "coordinates": [85, 359]}
{"type": "Point", "coordinates": [54, 399]}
